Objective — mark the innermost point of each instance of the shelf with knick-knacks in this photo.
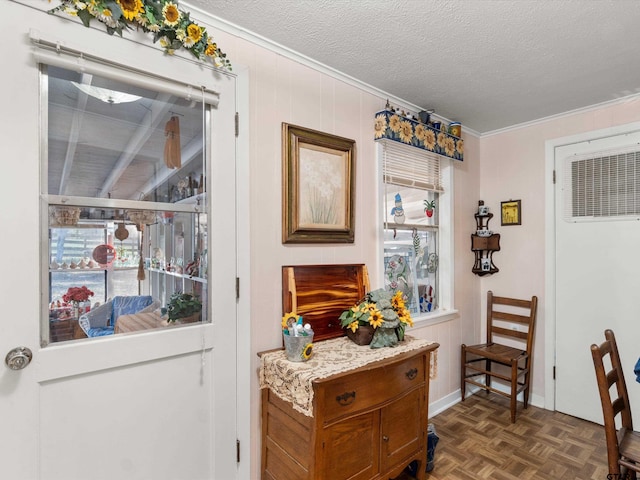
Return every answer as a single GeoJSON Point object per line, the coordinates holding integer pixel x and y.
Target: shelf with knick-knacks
{"type": "Point", "coordinates": [422, 131]}
{"type": "Point", "coordinates": [484, 242]}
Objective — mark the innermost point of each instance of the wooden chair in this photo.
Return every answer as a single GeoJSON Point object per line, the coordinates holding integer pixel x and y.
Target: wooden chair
{"type": "Point", "coordinates": [623, 445]}
{"type": "Point", "coordinates": [507, 318]}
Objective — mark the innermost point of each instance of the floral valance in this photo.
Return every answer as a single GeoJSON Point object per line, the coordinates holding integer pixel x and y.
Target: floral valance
{"type": "Point", "coordinates": [393, 126]}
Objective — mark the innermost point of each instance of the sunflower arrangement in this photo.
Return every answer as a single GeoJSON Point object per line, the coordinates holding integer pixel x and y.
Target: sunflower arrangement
{"type": "Point", "coordinates": [171, 27]}
{"type": "Point", "coordinates": [383, 310]}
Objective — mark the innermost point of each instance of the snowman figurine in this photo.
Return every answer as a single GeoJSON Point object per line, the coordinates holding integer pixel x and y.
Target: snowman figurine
{"type": "Point", "coordinates": [398, 211]}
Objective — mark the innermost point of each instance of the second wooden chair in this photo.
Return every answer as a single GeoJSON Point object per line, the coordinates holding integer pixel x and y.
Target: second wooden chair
{"type": "Point", "coordinates": [623, 445]}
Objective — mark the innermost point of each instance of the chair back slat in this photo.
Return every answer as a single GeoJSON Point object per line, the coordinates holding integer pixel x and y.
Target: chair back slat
{"type": "Point", "coordinates": [523, 319]}
{"type": "Point", "coordinates": [505, 332]}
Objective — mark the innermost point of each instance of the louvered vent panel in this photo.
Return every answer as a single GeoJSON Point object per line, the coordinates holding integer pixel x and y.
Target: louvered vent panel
{"type": "Point", "coordinates": [606, 185]}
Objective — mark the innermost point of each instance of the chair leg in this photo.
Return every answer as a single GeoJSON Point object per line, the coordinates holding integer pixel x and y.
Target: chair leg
{"type": "Point", "coordinates": [463, 370]}
{"type": "Point", "coordinates": [487, 379]}
{"type": "Point", "coordinates": [514, 389]}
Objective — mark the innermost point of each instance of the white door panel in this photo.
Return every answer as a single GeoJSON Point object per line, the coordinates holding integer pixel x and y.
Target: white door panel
{"type": "Point", "coordinates": [156, 405]}
{"type": "Point", "coordinates": [597, 288]}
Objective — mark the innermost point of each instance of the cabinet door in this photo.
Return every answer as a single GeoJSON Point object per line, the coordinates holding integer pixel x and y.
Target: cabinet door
{"type": "Point", "coordinates": [351, 448]}
{"type": "Point", "coordinates": [403, 428]}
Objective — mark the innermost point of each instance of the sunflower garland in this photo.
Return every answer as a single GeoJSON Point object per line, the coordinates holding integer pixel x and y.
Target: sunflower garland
{"type": "Point", "coordinates": [171, 27]}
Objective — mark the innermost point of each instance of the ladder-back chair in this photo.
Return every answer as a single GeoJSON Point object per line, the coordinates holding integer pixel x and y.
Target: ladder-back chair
{"type": "Point", "coordinates": [507, 318]}
{"type": "Point", "coordinates": [623, 445]}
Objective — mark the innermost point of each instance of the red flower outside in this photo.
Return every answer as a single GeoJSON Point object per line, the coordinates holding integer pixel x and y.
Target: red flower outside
{"type": "Point", "coordinates": [77, 294]}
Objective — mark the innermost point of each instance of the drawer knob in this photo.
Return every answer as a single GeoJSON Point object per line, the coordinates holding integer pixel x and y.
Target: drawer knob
{"type": "Point", "coordinates": [411, 374]}
{"type": "Point", "coordinates": [347, 398]}
{"type": "Point", "coordinates": [385, 438]}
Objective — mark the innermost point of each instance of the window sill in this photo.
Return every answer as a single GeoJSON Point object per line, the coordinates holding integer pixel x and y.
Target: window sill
{"type": "Point", "coordinates": [428, 319]}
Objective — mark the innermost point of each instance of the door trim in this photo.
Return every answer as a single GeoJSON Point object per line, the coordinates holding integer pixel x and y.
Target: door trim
{"type": "Point", "coordinates": [550, 246]}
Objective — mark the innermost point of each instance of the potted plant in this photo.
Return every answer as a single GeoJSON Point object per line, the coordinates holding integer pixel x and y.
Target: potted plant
{"type": "Point", "coordinates": [184, 307]}
{"type": "Point", "coordinates": [379, 319]}
{"type": "Point", "coordinates": [429, 207]}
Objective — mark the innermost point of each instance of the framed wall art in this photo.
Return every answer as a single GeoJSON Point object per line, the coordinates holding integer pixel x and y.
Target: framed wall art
{"type": "Point", "coordinates": [510, 212]}
{"type": "Point", "coordinates": [318, 183]}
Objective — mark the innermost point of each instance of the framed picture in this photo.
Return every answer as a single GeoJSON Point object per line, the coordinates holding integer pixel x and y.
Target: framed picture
{"type": "Point", "coordinates": [317, 186]}
{"type": "Point", "coordinates": [510, 213]}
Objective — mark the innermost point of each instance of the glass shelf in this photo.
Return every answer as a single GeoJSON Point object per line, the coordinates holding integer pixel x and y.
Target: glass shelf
{"type": "Point", "coordinates": [178, 275]}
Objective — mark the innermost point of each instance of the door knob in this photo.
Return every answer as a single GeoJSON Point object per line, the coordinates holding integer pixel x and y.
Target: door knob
{"type": "Point", "coordinates": [18, 358]}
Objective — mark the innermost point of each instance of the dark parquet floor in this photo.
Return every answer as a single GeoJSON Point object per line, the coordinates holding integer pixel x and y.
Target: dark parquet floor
{"type": "Point", "coordinates": [478, 441]}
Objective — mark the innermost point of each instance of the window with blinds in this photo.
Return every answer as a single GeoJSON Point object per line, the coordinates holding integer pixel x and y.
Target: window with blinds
{"type": "Point", "coordinates": [408, 166]}
{"type": "Point", "coordinates": [603, 185]}
{"type": "Point", "coordinates": [412, 188]}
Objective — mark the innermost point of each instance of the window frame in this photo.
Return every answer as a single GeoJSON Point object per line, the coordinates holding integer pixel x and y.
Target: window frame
{"type": "Point", "coordinates": [446, 267]}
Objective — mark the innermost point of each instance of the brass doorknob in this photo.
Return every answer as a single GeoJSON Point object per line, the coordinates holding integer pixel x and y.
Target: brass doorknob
{"type": "Point", "coordinates": [18, 358]}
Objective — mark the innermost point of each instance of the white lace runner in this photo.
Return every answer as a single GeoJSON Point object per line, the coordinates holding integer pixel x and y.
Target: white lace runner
{"type": "Point", "coordinates": [292, 381]}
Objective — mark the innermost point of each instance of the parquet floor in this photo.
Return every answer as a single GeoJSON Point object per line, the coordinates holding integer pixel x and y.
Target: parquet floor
{"type": "Point", "coordinates": [478, 441]}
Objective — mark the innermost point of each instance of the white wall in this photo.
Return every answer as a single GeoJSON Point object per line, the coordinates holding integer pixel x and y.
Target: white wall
{"type": "Point", "coordinates": [513, 167]}
{"type": "Point", "coordinates": [283, 90]}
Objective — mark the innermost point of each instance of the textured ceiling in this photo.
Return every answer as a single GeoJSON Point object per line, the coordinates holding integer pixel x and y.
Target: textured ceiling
{"type": "Point", "coordinates": [489, 64]}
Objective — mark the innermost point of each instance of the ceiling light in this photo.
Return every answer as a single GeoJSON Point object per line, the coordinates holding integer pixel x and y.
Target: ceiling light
{"type": "Point", "coordinates": [106, 95]}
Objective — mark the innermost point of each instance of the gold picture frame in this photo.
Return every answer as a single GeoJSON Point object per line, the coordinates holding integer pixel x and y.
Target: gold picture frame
{"type": "Point", "coordinates": [510, 212]}
{"type": "Point", "coordinates": [318, 184]}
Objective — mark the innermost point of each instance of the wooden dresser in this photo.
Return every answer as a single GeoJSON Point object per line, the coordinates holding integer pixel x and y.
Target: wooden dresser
{"type": "Point", "coordinates": [350, 412]}
{"type": "Point", "coordinates": [367, 423]}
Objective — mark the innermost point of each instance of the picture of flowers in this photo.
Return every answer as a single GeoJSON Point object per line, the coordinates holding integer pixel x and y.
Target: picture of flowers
{"type": "Point", "coordinates": [322, 188]}
{"type": "Point", "coordinates": [318, 186]}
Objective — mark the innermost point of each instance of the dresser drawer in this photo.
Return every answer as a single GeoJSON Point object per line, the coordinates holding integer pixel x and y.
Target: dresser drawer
{"type": "Point", "coordinates": [370, 387]}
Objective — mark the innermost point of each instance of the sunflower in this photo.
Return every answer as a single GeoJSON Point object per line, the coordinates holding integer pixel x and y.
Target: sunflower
{"type": "Point", "coordinates": [380, 126]}
{"type": "Point", "coordinates": [430, 139]}
{"type": "Point", "coordinates": [421, 132]}
{"type": "Point", "coordinates": [171, 14]}
{"type": "Point", "coordinates": [460, 146]}
{"type": "Point", "coordinates": [194, 32]}
{"type": "Point", "coordinates": [289, 317]}
{"type": "Point", "coordinates": [398, 300]}
{"type": "Point", "coordinates": [406, 131]}
{"type": "Point", "coordinates": [375, 319]}
{"type": "Point", "coordinates": [405, 317]}
{"type": "Point", "coordinates": [210, 50]}
{"type": "Point", "coordinates": [449, 146]}
{"type": "Point", "coordinates": [308, 350]}
{"type": "Point", "coordinates": [353, 326]}
{"type": "Point", "coordinates": [394, 123]}
{"type": "Point", "coordinates": [131, 8]}
{"type": "Point", "coordinates": [441, 139]}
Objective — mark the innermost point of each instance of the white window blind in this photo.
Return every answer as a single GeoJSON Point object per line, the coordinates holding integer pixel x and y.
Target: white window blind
{"type": "Point", "coordinates": [407, 166]}
{"type": "Point", "coordinates": [602, 185]}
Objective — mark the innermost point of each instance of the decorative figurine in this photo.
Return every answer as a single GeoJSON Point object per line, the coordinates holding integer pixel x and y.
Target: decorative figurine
{"type": "Point", "coordinates": [398, 211]}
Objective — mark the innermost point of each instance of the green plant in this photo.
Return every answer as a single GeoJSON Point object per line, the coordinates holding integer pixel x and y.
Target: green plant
{"type": "Point", "coordinates": [183, 305]}
{"type": "Point", "coordinates": [429, 206]}
{"type": "Point", "coordinates": [385, 311]}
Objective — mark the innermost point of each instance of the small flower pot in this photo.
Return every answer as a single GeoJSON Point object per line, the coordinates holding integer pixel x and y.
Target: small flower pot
{"type": "Point", "coordinates": [362, 336]}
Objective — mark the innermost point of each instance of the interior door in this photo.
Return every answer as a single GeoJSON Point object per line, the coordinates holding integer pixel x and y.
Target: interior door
{"type": "Point", "coordinates": [158, 404]}
{"type": "Point", "coordinates": [597, 259]}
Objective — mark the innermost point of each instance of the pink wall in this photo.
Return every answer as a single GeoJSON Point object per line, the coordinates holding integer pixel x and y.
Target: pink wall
{"type": "Point", "coordinates": [282, 90]}
{"type": "Point", "coordinates": [513, 167]}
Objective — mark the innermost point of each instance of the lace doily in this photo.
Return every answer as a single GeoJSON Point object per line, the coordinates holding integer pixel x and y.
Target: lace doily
{"type": "Point", "coordinates": [292, 381]}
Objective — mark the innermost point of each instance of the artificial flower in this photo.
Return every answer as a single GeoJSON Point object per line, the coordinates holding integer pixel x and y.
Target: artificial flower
{"type": "Point", "coordinates": [171, 14]}
{"type": "Point", "coordinates": [131, 8]}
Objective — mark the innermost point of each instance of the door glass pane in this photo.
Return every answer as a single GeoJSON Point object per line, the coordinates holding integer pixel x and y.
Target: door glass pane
{"type": "Point", "coordinates": [117, 264]}
{"type": "Point", "coordinates": [107, 139]}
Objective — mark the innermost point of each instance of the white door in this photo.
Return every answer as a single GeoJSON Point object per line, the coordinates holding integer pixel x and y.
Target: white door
{"type": "Point", "coordinates": [156, 405]}
{"type": "Point", "coordinates": [597, 280]}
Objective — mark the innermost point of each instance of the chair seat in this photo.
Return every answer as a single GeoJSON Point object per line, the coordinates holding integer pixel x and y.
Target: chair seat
{"type": "Point", "coordinates": [496, 352]}
{"type": "Point", "coordinates": [99, 331]}
{"type": "Point", "coordinates": [630, 445]}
